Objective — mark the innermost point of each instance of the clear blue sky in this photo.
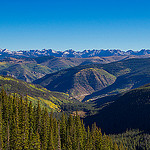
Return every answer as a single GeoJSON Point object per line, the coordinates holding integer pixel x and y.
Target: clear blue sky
{"type": "Point", "coordinates": [75, 24]}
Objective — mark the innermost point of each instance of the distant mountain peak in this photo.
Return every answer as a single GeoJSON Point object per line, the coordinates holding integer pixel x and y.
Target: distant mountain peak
{"type": "Point", "coordinates": [71, 53]}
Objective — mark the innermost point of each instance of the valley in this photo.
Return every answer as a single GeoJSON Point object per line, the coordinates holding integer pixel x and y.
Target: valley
{"type": "Point", "coordinates": [74, 75]}
{"type": "Point", "coordinates": [30, 69]}
{"type": "Point", "coordinates": [112, 92]}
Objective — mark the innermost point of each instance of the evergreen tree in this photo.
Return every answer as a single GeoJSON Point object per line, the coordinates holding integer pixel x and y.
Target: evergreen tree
{"type": "Point", "coordinates": [63, 131]}
{"type": "Point", "coordinates": [35, 143]}
{"type": "Point", "coordinates": [88, 145]}
{"type": "Point", "coordinates": [38, 118]}
{"type": "Point", "coordinates": [55, 133]}
{"type": "Point", "coordinates": [116, 146]}
{"type": "Point", "coordinates": [44, 128]}
{"type": "Point", "coordinates": [59, 141]}
{"type": "Point", "coordinates": [31, 126]}
{"type": "Point", "coordinates": [24, 125]}
{"type": "Point", "coordinates": [51, 145]}
{"type": "Point", "coordinates": [18, 144]}
{"type": "Point", "coordinates": [1, 125]}
{"type": "Point", "coordinates": [79, 132]}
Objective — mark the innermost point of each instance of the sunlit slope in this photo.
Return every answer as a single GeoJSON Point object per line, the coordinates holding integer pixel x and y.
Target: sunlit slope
{"type": "Point", "coordinates": [52, 100]}
{"type": "Point", "coordinates": [78, 81]}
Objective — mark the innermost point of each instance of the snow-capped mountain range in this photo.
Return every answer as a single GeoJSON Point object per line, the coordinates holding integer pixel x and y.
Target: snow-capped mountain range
{"type": "Point", "coordinates": [71, 53]}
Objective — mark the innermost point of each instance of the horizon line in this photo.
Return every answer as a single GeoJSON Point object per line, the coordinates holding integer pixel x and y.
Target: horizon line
{"type": "Point", "coordinates": [74, 49]}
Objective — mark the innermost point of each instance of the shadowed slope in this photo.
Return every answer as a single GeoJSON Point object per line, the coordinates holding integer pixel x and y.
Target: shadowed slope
{"type": "Point", "coordinates": [130, 110]}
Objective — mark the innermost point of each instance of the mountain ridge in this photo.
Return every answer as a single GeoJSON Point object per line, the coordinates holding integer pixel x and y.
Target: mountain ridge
{"type": "Point", "coordinates": [4, 53]}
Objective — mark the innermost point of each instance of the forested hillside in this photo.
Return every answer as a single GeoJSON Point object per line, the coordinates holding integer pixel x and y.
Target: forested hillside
{"type": "Point", "coordinates": [48, 99]}
{"type": "Point", "coordinates": [24, 127]}
{"type": "Point", "coordinates": [127, 110]}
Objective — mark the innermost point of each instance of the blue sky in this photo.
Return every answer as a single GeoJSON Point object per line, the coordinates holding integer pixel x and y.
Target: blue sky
{"type": "Point", "coordinates": [74, 24]}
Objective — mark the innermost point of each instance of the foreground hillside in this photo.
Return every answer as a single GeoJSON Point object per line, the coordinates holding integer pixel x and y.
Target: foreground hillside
{"type": "Point", "coordinates": [24, 127]}
{"type": "Point", "coordinates": [48, 99]}
{"type": "Point", "coordinates": [129, 110]}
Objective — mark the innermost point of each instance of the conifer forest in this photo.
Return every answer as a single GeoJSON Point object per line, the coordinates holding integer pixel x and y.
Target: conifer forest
{"type": "Point", "coordinates": [27, 127]}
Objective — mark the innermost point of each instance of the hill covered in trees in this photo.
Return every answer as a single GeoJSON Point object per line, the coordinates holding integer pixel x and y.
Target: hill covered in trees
{"type": "Point", "coordinates": [129, 110]}
{"type": "Point", "coordinates": [24, 127]}
{"type": "Point", "coordinates": [34, 93]}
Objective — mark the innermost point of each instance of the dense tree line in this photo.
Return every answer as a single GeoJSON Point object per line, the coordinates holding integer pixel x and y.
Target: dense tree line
{"type": "Point", "coordinates": [133, 139]}
{"type": "Point", "coordinates": [27, 127]}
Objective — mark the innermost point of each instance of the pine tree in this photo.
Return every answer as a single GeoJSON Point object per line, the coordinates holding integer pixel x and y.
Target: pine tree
{"type": "Point", "coordinates": [5, 116]}
{"type": "Point", "coordinates": [89, 140]}
{"type": "Point", "coordinates": [51, 122]}
{"type": "Point", "coordinates": [79, 132]}
{"type": "Point", "coordinates": [55, 133]}
{"type": "Point", "coordinates": [18, 144]}
{"type": "Point", "coordinates": [13, 125]}
{"type": "Point", "coordinates": [121, 147]}
{"type": "Point", "coordinates": [63, 131]}
{"type": "Point", "coordinates": [44, 128]}
{"type": "Point", "coordinates": [35, 142]}
{"type": "Point", "coordinates": [70, 125]}
{"type": "Point", "coordinates": [38, 118]}
{"type": "Point", "coordinates": [69, 142]}
{"type": "Point", "coordinates": [93, 135]}
{"type": "Point", "coordinates": [59, 141]}
{"type": "Point", "coordinates": [31, 125]}
{"type": "Point", "coordinates": [51, 145]}
{"type": "Point", "coordinates": [1, 125]}
{"type": "Point", "coordinates": [99, 139]}
{"type": "Point", "coordinates": [25, 125]}
{"type": "Point", "coordinates": [116, 146]}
